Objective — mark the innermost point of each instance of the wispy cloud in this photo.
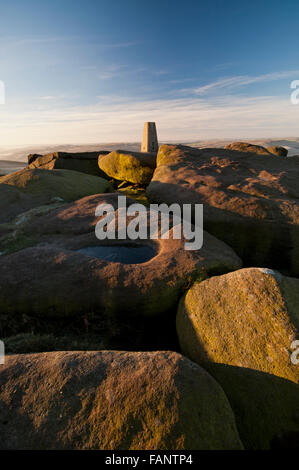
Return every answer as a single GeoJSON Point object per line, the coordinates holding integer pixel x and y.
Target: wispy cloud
{"type": "Point", "coordinates": [30, 40]}
{"type": "Point", "coordinates": [161, 72]}
{"type": "Point", "coordinates": [119, 45]}
{"type": "Point", "coordinates": [182, 80]}
{"type": "Point", "coordinates": [110, 71]}
{"type": "Point", "coordinates": [37, 40]}
{"type": "Point", "coordinates": [225, 65]}
{"type": "Point", "coordinates": [239, 81]}
{"type": "Point", "coordinates": [106, 72]}
{"type": "Point", "coordinates": [117, 119]}
{"type": "Point", "coordinates": [48, 98]}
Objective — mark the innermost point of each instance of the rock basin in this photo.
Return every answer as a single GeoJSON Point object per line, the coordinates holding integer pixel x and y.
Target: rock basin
{"type": "Point", "coordinates": [125, 254]}
{"type": "Point", "coordinates": [55, 278]}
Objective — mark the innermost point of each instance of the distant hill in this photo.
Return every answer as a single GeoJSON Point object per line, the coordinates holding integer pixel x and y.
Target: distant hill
{"type": "Point", "coordinates": [18, 156]}
{"type": "Point", "coordinates": [8, 166]}
{"type": "Point", "coordinates": [20, 153]}
{"type": "Point", "coordinates": [292, 143]}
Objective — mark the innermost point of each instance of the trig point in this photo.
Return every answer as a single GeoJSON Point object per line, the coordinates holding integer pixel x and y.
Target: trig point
{"type": "Point", "coordinates": [149, 139]}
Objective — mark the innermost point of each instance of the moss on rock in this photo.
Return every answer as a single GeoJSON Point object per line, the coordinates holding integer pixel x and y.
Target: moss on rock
{"type": "Point", "coordinates": [135, 167]}
{"type": "Point", "coordinates": [48, 184]}
{"type": "Point", "coordinates": [247, 318]}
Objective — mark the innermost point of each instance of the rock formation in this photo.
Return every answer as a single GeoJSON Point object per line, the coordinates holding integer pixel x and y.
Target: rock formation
{"type": "Point", "coordinates": [85, 162]}
{"type": "Point", "coordinates": [135, 167]}
{"type": "Point", "coordinates": [30, 188]}
{"type": "Point", "coordinates": [265, 406]}
{"type": "Point", "coordinates": [92, 284]}
{"type": "Point", "coordinates": [112, 401]}
{"type": "Point", "coordinates": [250, 199]}
{"type": "Point", "coordinates": [248, 148]}
{"type": "Point", "coordinates": [277, 150]}
{"type": "Point", "coordinates": [258, 149]}
{"type": "Point", "coordinates": [248, 318]}
{"type": "Point", "coordinates": [63, 289]}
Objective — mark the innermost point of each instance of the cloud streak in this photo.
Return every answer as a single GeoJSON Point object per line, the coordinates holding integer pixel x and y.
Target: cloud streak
{"type": "Point", "coordinates": [15, 41]}
{"type": "Point", "coordinates": [178, 119]}
{"type": "Point", "coordinates": [239, 81]}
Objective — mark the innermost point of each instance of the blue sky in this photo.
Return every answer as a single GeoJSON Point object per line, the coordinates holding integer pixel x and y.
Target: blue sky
{"type": "Point", "coordinates": [93, 71]}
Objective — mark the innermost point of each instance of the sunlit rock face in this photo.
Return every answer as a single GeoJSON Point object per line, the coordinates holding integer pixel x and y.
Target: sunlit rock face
{"type": "Point", "coordinates": [135, 167]}
{"type": "Point", "coordinates": [247, 318]}
{"type": "Point", "coordinates": [258, 149]}
{"type": "Point", "coordinates": [29, 188]}
{"type": "Point", "coordinates": [242, 328]}
{"type": "Point", "coordinates": [278, 150]}
{"type": "Point", "coordinates": [250, 198]}
{"type": "Point", "coordinates": [247, 147]}
{"type": "Point", "coordinates": [85, 162]}
{"type": "Point", "coordinates": [112, 400]}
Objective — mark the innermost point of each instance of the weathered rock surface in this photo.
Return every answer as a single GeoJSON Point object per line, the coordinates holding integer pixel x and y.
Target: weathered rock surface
{"type": "Point", "coordinates": [266, 407]}
{"type": "Point", "coordinates": [13, 202]}
{"type": "Point", "coordinates": [85, 162]}
{"type": "Point", "coordinates": [248, 148]}
{"type": "Point", "coordinates": [277, 150]}
{"type": "Point", "coordinates": [54, 279]}
{"type": "Point", "coordinates": [248, 318]}
{"type": "Point", "coordinates": [258, 149]}
{"type": "Point", "coordinates": [27, 189]}
{"type": "Point", "coordinates": [250, 200]}
{"type": "Point", "coordinates": [135, 167]}
{"type": "Point", "coordinates": [66, 184]}
{"type": "Point", "coordinates": [112, 400]}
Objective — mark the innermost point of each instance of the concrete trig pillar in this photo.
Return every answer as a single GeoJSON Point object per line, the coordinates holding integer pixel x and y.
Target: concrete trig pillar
{"type": "Point", "coordinates": [149, 139]}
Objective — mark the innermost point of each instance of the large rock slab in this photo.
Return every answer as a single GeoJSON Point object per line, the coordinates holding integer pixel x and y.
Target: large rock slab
{"type": "Point", "coordinates": [278, 150]}
{"type": "Point", "coordinates": [250, 199]}
{"type": "Point", "coordinates": [85, 162]}
{"type": "Point", "coordinates": [112, 401]}
{"type": "Point", "coordinates": [258, 149]}
{"type": "Point", "coordinates": [247, 147]}
{"type": "Point", "coordinates": [27, 189]}
{"type": "Point", "coordinates": [248, 318]}
{"type": "Point", "coordinates": [135, 167]}
{"type": "Point", "coordinates": [65, 184]}
{"type": "Point", "coordinates": [54, 279]}
{"type": "Point", "coordinates": [266, 407]}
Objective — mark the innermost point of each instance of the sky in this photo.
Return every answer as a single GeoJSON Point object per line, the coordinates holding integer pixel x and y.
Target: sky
{"type": "Point", "coordinates": [77, 72]}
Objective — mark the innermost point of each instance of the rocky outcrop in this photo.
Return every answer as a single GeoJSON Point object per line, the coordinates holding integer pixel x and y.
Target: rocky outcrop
{"type": "Point", "coordinates": [248, 318]}
{"type": "Point", "coordinates": [134, 167]}
{"type": "Point", "coordinates": [112, 400]}
{"type": "Point", "coordinates": [258, 149]}
{"type": "Point", "coordinates": [66, 184]}
{"type": "Point", "coordinates": [26, 189]}
{"type": "Point", "coordinates": [250, 200]}
{"type": "Point", "coordinates": [13, 202]}
{"type": "Point", "coordinates": [277, 150]}
{"type": "Point", "coordinates": [85, 162]}
{"type": "Point", "coordinates": [76, 281]}
{"type": "Point", "coordinates": [247, 148]}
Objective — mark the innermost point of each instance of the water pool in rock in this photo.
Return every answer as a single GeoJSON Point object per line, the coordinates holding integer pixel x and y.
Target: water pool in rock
{"type": "Point", "coordinates": [120, 253]}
